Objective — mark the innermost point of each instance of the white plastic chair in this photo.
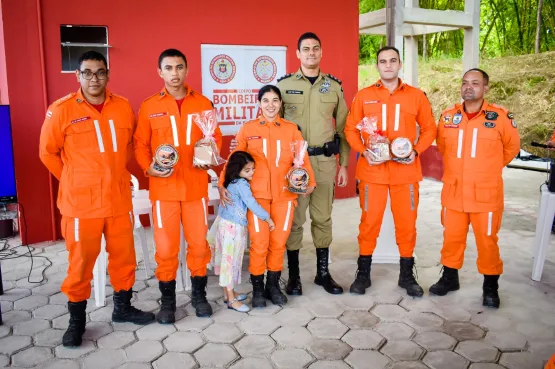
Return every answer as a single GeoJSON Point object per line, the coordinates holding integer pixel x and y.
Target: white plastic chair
{"type": "Point", "coordinates": [141, 205]}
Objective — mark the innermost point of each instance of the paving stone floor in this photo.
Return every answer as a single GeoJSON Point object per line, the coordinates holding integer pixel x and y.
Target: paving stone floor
{"type": "Point", "coordinates": [382, 329]}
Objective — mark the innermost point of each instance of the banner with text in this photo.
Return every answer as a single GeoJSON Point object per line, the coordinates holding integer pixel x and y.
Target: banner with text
{"type": "Point", "coordinates": [232, 76]}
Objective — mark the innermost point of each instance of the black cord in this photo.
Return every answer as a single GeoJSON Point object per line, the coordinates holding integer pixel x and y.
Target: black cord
{"type": "Point", "coordinates": [7, 253]}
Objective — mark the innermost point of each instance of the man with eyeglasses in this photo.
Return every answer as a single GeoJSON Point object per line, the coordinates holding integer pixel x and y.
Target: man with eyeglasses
{"type": "Point", "coordinates": [86, 141]}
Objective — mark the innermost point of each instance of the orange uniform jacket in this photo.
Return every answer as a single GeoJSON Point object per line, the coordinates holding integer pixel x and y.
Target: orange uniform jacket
{"type": "Point", "coordinates": [88, 152]}
{"type": "Point", "coordinates": [161, 122]}
{"type": "Point", "coordinates": [397, 116]}
{"type": "Point", "coordinates": [474, 153]}
{"type": "Point", "coordinates": [269, 145]}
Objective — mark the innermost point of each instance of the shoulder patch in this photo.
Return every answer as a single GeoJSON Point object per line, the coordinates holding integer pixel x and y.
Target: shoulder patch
{"type": "Point", "coordinates": [335, 78]}
{"type": "Point", "coordinates": [285, 76]}
{"type": "Point", "coordinates": [63, 99]}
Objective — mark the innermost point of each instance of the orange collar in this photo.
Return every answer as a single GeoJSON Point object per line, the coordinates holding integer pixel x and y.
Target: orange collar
{"type": "Point", "coordinates": [164, 92]}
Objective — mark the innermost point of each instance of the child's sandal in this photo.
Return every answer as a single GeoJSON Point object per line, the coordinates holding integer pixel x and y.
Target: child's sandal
{"type": "Point", "coordinates": [242, 309]}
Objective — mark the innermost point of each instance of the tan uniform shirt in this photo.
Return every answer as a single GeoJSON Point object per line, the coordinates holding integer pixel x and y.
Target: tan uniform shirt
{"type": "Point", "coordinates": [313, 107]}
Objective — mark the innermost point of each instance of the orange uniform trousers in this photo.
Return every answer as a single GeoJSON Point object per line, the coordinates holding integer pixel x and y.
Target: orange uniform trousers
{"type": "Point", "coordinates": [268, 248]}
{"type": "Point", "coordinates": [550, 363]}
{"type": "Point", "coordinates": [83, 238]}
{"type": "Point", "coordinates": [485, 227]}
{"type": "Point", "coordinates": [404, 205]}
{"type": "Point", "coordinates": [168, 216]}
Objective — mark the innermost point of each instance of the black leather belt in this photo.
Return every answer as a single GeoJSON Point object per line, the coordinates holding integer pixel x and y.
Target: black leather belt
{"type": "Point", "coordinates": [315, 151]}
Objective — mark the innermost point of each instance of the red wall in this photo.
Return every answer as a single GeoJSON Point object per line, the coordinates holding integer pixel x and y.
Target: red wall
{"type": "Point", "coordinates": [139, 30]}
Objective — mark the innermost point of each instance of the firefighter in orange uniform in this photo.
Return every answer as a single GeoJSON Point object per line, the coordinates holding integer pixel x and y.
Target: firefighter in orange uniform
{"type": "Point", "coordinates": [85, 142]}
{"type": "Point", "coordinates": [477, 140]}
{"type": "Point", "coordinates": [268, 139]}
{"type": "Point", "coordinates": [398, 109]}
{"type": "Point", "coordinates": [180, 195]}
{"type": "Point", "coordinates": [550, 363]}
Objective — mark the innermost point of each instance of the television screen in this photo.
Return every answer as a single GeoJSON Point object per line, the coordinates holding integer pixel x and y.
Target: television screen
{"type": "Point", "coordinates": [8, 193]}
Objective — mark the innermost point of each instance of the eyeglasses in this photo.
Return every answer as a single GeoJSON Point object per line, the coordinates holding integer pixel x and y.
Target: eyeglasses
{"type": "Point", "coordinates": [88, 75]}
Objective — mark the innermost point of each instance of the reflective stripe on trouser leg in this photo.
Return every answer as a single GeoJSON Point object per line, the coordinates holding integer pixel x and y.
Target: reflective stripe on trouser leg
{"type": "Point", "coordinates": [372, 215]}
{"type": "Point", "coordinates": [280, 212]}
{"type": "Point", "coordinates": [167, 239]}
{"type": "Point", "coordinates": [195, 230]}
{"type": "Point", "coordinates": [455, 232]}
{"type": "Point", "coordinates": [120, 247]}
{"type": "Point", "coordinates": [83, 238]}
{"type": "Point", "coordinates": [485, 227]}
{"type": "Point", "coordinates": [404, 206]}
{"type": "Point", "coordinates": [260, 239]}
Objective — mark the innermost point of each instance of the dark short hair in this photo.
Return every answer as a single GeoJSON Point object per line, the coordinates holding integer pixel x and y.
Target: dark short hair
{"type": "Point", "coordinates": [171, 53]}
{"type": "Point", "coordinates": [92, 55]}
{"type": "Point", "coordinates": [385, 48]}
{"type": "Point", "coordinates": [307, 36]}
{"type": "Point", "coordinates": [268, 88]}
{"type": "Point", "coordinates": [235, 164]}
{"type": "Point", "coordinates": [484, 74]}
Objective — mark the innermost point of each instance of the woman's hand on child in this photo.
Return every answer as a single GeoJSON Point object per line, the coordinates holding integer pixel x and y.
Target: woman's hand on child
{"type": "Point", "coordinates": [225, 196]}
{"type": "Point", "coordinates": [271, 224]}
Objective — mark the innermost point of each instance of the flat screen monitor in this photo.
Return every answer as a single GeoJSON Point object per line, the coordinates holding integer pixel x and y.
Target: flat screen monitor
{"type": "Point", "coordinates": [8, 192]}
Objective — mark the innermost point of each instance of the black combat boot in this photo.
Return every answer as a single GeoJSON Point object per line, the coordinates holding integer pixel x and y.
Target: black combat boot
{"type": "Point", "coordinates": [294, 286]}
{"type": "Point", "coordinates": [73, 337]}
{"type": "Point", "coordinates": [490, 287]}
{"type": "Point", "coordinates": [362, 280]}
{"type": "Point", "coordinates": [272, 291]}
{"type": "Point", "coordinates": [323, 277]}
{"type": "Point", "coordinates": [449, 281]}
{"type": "Point", "coordinates": [124, 312]}
{"type": "Point", "coordinates": [407, 279]}
{"type": "Point", "coordinates": [258, 299]}
{"type": "Point", "coordinates": [166, 315]}
{"type": "Point", "coordinates": [198, 297]}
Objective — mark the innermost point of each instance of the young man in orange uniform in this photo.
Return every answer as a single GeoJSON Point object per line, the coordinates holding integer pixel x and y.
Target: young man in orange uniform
{"type": "Point", "coordinates": [85, 142]}
{"type": "Point", "coordinates": [179, 195]}
{"type": "Point", "coordinates": [398, 108]}
{"type": "Point", "coordinates": [477, 140]}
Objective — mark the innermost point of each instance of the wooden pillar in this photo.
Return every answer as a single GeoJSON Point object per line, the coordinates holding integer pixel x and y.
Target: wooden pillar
{"type": "Point", "coordinates": [410, 61]}
{"type": "Point", "coordinates": [471, 51]}
{"type": "Point", "coordinates": [394, 23]}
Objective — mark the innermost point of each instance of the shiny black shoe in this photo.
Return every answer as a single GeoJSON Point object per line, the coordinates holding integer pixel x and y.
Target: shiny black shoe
{"type": "Point", "coordinates": [323, 277]}
{"type": "Point", "coordinates": [294, 286]}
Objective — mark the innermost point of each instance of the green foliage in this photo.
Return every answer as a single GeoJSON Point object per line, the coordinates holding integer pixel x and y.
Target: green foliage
{"type": "Point", "coordinates": [507, 27]}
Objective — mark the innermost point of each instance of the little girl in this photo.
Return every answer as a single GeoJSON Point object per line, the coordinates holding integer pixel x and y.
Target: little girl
{"type": "Point", "coordinates": [228, 235]}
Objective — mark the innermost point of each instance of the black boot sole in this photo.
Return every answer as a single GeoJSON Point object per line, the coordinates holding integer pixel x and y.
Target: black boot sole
{"type": "Point", "coordinates": [258, 302]}
{"type": "Point", "coordinates": [329, 289]}
{"type": "Point", "coordinates": [443, 293]}
{"type": "Point", "coordinates": [294, 292]}
{"type": "Point", "coordinates": [491, 302]}
{"type": "Point", "coordinates": [138, 322]}
{"type": "Point", "coordinates": [269, 297]}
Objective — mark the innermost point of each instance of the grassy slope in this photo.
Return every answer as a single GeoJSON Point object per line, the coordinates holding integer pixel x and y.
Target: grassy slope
{"type": "Point", "coordinates": [523, 84]}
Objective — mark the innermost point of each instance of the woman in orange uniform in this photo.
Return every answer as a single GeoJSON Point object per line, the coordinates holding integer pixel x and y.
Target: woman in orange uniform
{"type": "Point", "coordinates": [268, 139]}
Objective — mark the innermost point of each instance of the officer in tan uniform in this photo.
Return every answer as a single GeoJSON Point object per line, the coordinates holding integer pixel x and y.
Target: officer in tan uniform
{"type": "Point", "coordinates": [312, 100]}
